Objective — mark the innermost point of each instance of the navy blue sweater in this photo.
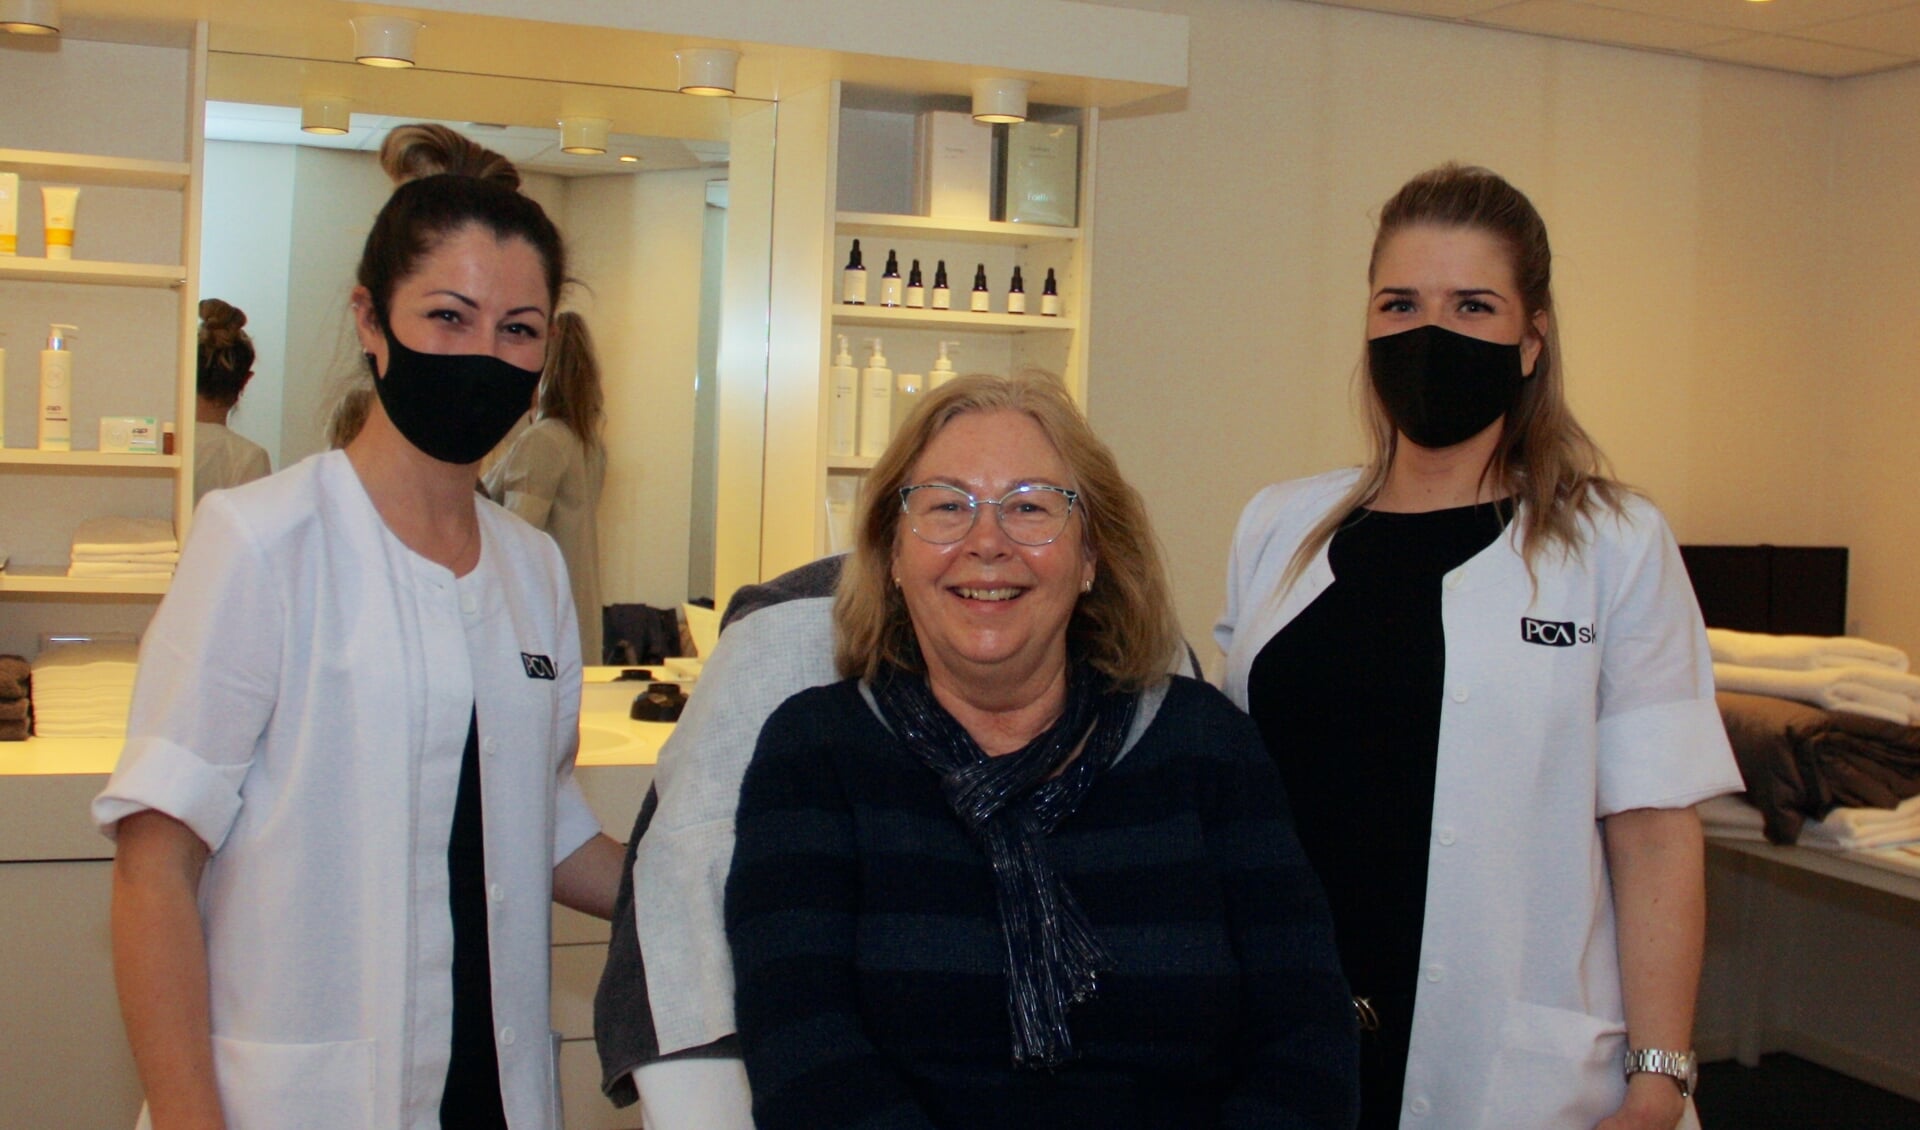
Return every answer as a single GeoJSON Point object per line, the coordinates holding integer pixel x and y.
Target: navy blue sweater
{"type": "Point", "coordinates": [869, 959]}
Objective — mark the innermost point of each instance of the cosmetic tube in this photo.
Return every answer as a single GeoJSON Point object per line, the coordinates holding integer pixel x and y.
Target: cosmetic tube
{"type": "Point", "coordinates": [9, 213]}
{"type": "Point", "coordinates": [60, 204]}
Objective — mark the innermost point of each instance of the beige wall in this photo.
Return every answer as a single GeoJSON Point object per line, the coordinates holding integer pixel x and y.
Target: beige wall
{"type": "Point", "coordinates": [1689, 207]}
{"type": "Point", "coordinates": [1869, 384]}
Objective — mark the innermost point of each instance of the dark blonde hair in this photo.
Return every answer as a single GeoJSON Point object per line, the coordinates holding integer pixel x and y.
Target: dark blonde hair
{"type": "Point", "coordinates": [1125, 626]}
{"type": "Point", "coordinates": [570, 388]}
{"type": "Point", "coordinates": [1545, 461]}
{"type": "Point", "coordinates": [226, 352]}
{"type": "Point", "coordinates": [446, 183]}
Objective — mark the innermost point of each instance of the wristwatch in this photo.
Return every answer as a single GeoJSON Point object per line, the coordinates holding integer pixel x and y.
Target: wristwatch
{"type": "Point", "coordinates": [1681, 1067]}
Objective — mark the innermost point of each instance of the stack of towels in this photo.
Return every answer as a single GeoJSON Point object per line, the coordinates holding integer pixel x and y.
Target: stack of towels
{"type": "Point", "coordinates": [1839, 673]}
{"type": "Point", "coordinates": [16, 699]}
{"type": "Point", "coordinates": [83, 689]}
{"type": "Point", "coordinates": [124, 547]}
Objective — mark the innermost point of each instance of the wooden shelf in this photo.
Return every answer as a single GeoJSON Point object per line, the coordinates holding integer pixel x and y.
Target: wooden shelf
{"type": "Point", "coordinates": [82, 168]}
{"type": "Point", "coordinates": [88, 271]}
{"type": "Point", "coordinates": [887, 226]}
{"type": "Point", "coordinates": [54, 579]}
{"type": "Point", "coordinates": [901, 317]}
{"type": "Point", "coordinates": [851, 462]}
{"type": "Point", "coordinates": [85, 460]}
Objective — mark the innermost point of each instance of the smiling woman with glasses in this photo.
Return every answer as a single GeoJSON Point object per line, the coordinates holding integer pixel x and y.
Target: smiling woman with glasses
{"type": "Point", "coordinates": [1009, 872]}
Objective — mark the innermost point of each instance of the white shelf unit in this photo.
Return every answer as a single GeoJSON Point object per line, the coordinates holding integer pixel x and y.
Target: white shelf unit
{"type": "Point", "coordinates": [994, 341]}
{"type": "Point", "coordinates": [85, 288]}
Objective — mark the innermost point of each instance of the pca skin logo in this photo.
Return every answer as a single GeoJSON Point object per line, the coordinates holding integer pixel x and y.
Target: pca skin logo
{"type": "Point", "coordinates": [1554, 633]}
{"type": "Point", "coordinates": [538, 666]}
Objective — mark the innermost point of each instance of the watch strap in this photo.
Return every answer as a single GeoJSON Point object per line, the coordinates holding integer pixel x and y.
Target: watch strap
{"type": "Point", "coordinates": [1678, 1066]}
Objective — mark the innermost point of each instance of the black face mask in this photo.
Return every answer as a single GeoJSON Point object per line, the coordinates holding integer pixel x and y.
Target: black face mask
{"type": "Point", "coordinates": [453, 406]}
{"type": "Point", "coordinates": [1441, 388]}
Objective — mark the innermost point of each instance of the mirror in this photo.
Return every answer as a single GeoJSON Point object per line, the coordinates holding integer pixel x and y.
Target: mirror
{"type": "Point", "coordinates": [667, 234]}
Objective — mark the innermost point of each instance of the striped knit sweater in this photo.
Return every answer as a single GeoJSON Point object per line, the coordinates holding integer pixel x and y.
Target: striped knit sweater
{"type": "Point", "coordinates": [868, 955]}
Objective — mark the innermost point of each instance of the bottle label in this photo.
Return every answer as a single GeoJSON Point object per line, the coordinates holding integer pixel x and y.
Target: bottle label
{"type": "Point", "coordinates": [1016, 302]}
{"type": "Point", "coordinates": [890, 291]}
{"type": "Point", "coordinates": [853, 287]}
{"type": "Point", "coordinates": [982, 302]}
{"type": "Point", "coordinates": [942, 299]}
{"type": "Point", "coordinates": [916, 297]}
{"type": "Point", "coordinates": [1050, 306]}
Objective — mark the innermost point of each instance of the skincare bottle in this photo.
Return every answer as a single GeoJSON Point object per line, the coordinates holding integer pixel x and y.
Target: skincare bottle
{"type": "Point", "coordinates": [916, 291]}
{"type": "Point", "coordinates": [1050, 297]}
{"type": "Point", "coordinates": [844, 408]}
{"type": "Point", "coordinates": [942, 367]}
{"type": "Point", "coordinates": [853, 280]}
{"type": "Point", "coordinates": [1017, 294]}
{"type": "Point", "coordinates": [942, 298]}
{"type": "Point", "coordinates": [906, 397]}
{"type": "Point", "coordinates": [890, 281]}
{"type": "Point", "coordinates": [982, 296]}
{"type": "Point", "coordinates": [56, 389]}
{"type": "Point", "coordinates": [876, 404]}
{"type": "Point", "coordinates": [9, 213]}
{"type": "Point", "coordinates": [59, 205]}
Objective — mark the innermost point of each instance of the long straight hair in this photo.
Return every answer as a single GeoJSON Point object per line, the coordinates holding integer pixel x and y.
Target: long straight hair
{"type": "Point", "coordinates": [570, 389]}
{"type": "Point", "coordinates": [1545, 464]}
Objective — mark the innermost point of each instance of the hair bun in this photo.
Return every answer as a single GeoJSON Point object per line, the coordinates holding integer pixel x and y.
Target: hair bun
{"type": "Point", "coordinates": [222, 316]}
{"type": "Point", "coordinates": [424, 149]}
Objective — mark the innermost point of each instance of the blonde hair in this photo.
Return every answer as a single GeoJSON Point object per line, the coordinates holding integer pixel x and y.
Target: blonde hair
{"type": "Point", "coordinates": [570, 388]}
{"type": "Point", "coordinates": [1124, 626]}
{"type": "Point", "coordinates": [429, 149]}
{"type": "Point", "coordinates": [1545, 462]}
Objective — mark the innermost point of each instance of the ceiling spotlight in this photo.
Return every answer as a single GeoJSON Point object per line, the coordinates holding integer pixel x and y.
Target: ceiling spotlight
{"type": "Point", "coordinates": [30, 17]}
{"type": "Point", "coordinates": [629, 159]}
{"type": "Point", "coordinates": [384, 41]}
{"type": "Point", "coordinates": [322, 113]}
{"type": "Point", "coordinates": [707, 70]}
{"type": "Point", "coordinates": [585, 136]}
{"type": "Point", "coordinates": [998, 99]}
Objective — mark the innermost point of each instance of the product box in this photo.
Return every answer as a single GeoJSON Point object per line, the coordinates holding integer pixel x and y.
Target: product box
{"type": "Point", "coordinates": [952, 165]}
{"type": "Point", "coordinates": [1038, 178]}
{"type": "Point", "coordinates": [130, 435]}
{"type": "Point", "coordinates": [9, 213]}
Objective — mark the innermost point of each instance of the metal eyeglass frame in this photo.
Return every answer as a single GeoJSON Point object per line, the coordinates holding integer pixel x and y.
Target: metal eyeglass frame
{"type": "Point", "coordinates": [1000, 512]}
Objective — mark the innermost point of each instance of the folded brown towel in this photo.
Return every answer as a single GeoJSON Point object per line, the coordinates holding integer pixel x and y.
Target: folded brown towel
{"type": "Point", "coordinates": [13, 731]}
{"type": "Point", "coordinates": [1801, 762]}
{"type": "Point", "coordinates": [16, 675]}
{"type": "Point", "coordinates": [15, 710]}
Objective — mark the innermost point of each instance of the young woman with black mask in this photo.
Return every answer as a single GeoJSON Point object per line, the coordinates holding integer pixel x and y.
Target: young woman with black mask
{"type": "Point", "coordinates": [346, 798]}
{"type": "Point", "coordinates": [1482, 672]}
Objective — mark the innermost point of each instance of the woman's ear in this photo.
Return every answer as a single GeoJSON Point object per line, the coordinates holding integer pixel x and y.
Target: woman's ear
{"type": "Point", "coordinates": [1533, 344]}
{"type": "Point", "coordinates": [366, 326]}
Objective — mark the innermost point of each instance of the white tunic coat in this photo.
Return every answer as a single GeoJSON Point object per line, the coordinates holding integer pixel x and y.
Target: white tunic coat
{"type": "Point", "coordinates": [1590, 695]}
{"type": "Point", "coordinates": [302, 699]}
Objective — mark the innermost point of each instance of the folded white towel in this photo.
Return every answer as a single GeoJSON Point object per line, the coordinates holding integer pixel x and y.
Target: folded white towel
{"type": "Point", "coordinates": [113, 534]}
{"type": "Point", "coordinates": [85, 654]}
{"type": "Point", "coordinates": [1801, 653]}
{"type": "Point", "coordinates": [119, 569]}
{"type": "Point", "coordinates": [1844, 829]}
{"type": "Point", "coordinates": [1874, 691]}
{"type": "Point", "coordinates": [131, 558]}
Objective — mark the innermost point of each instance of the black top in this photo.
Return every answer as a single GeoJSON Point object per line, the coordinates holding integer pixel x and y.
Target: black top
{"type": "Point", "coordinates": [1347, 696]}
{"type": "Point", "coordinates": [471, 1100]}
{"type": "Point", "coordinates": [869, 960]}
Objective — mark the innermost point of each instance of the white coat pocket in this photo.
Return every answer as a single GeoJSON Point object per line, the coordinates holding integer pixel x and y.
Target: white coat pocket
{"type": "Point", "coordinates": [295, 1086]}
{"type": "Point", "coordinates": [1554, 1068]}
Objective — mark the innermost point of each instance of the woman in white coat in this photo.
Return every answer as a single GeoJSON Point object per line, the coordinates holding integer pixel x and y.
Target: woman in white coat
{"type": "Point", "coordinates": [1480, 667]}
{"type": "Point", "coordinates": [346, 798]}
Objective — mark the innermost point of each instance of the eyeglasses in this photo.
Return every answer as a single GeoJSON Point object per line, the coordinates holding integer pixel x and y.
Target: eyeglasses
{"type": "Point", "coordinates": [1029, 515]}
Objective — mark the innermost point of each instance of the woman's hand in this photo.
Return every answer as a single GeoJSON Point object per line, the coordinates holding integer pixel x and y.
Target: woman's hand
{"type": "Point", "coordinates": [1653, 1103]}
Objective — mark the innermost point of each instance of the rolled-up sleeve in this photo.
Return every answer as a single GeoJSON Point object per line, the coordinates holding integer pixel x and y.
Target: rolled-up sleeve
{"type": "Point", "coordinates": [206, 685]}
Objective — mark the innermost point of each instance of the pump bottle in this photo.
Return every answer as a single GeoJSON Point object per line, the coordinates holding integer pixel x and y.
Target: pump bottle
{"type": "Point", "coordinates": [906, 397]}
{"type": "Point", "coordinates": [844, 409]}
{"type": "Point", "coordinates": [876, 403]}
{"type": "Point", "coordinates": [982, 299]}
{"type": "Point", "coordinates": [56, 389]}
{"type": "Point", "coordinates": [941, 298]}
{"type": "Point", "coordinates": [942, 367]}
{"type": "Point", "coordinates": [853, 280]}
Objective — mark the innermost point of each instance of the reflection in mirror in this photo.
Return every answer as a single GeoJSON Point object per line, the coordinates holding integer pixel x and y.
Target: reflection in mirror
{"type": "Point", "coordinates": [660, 273]}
